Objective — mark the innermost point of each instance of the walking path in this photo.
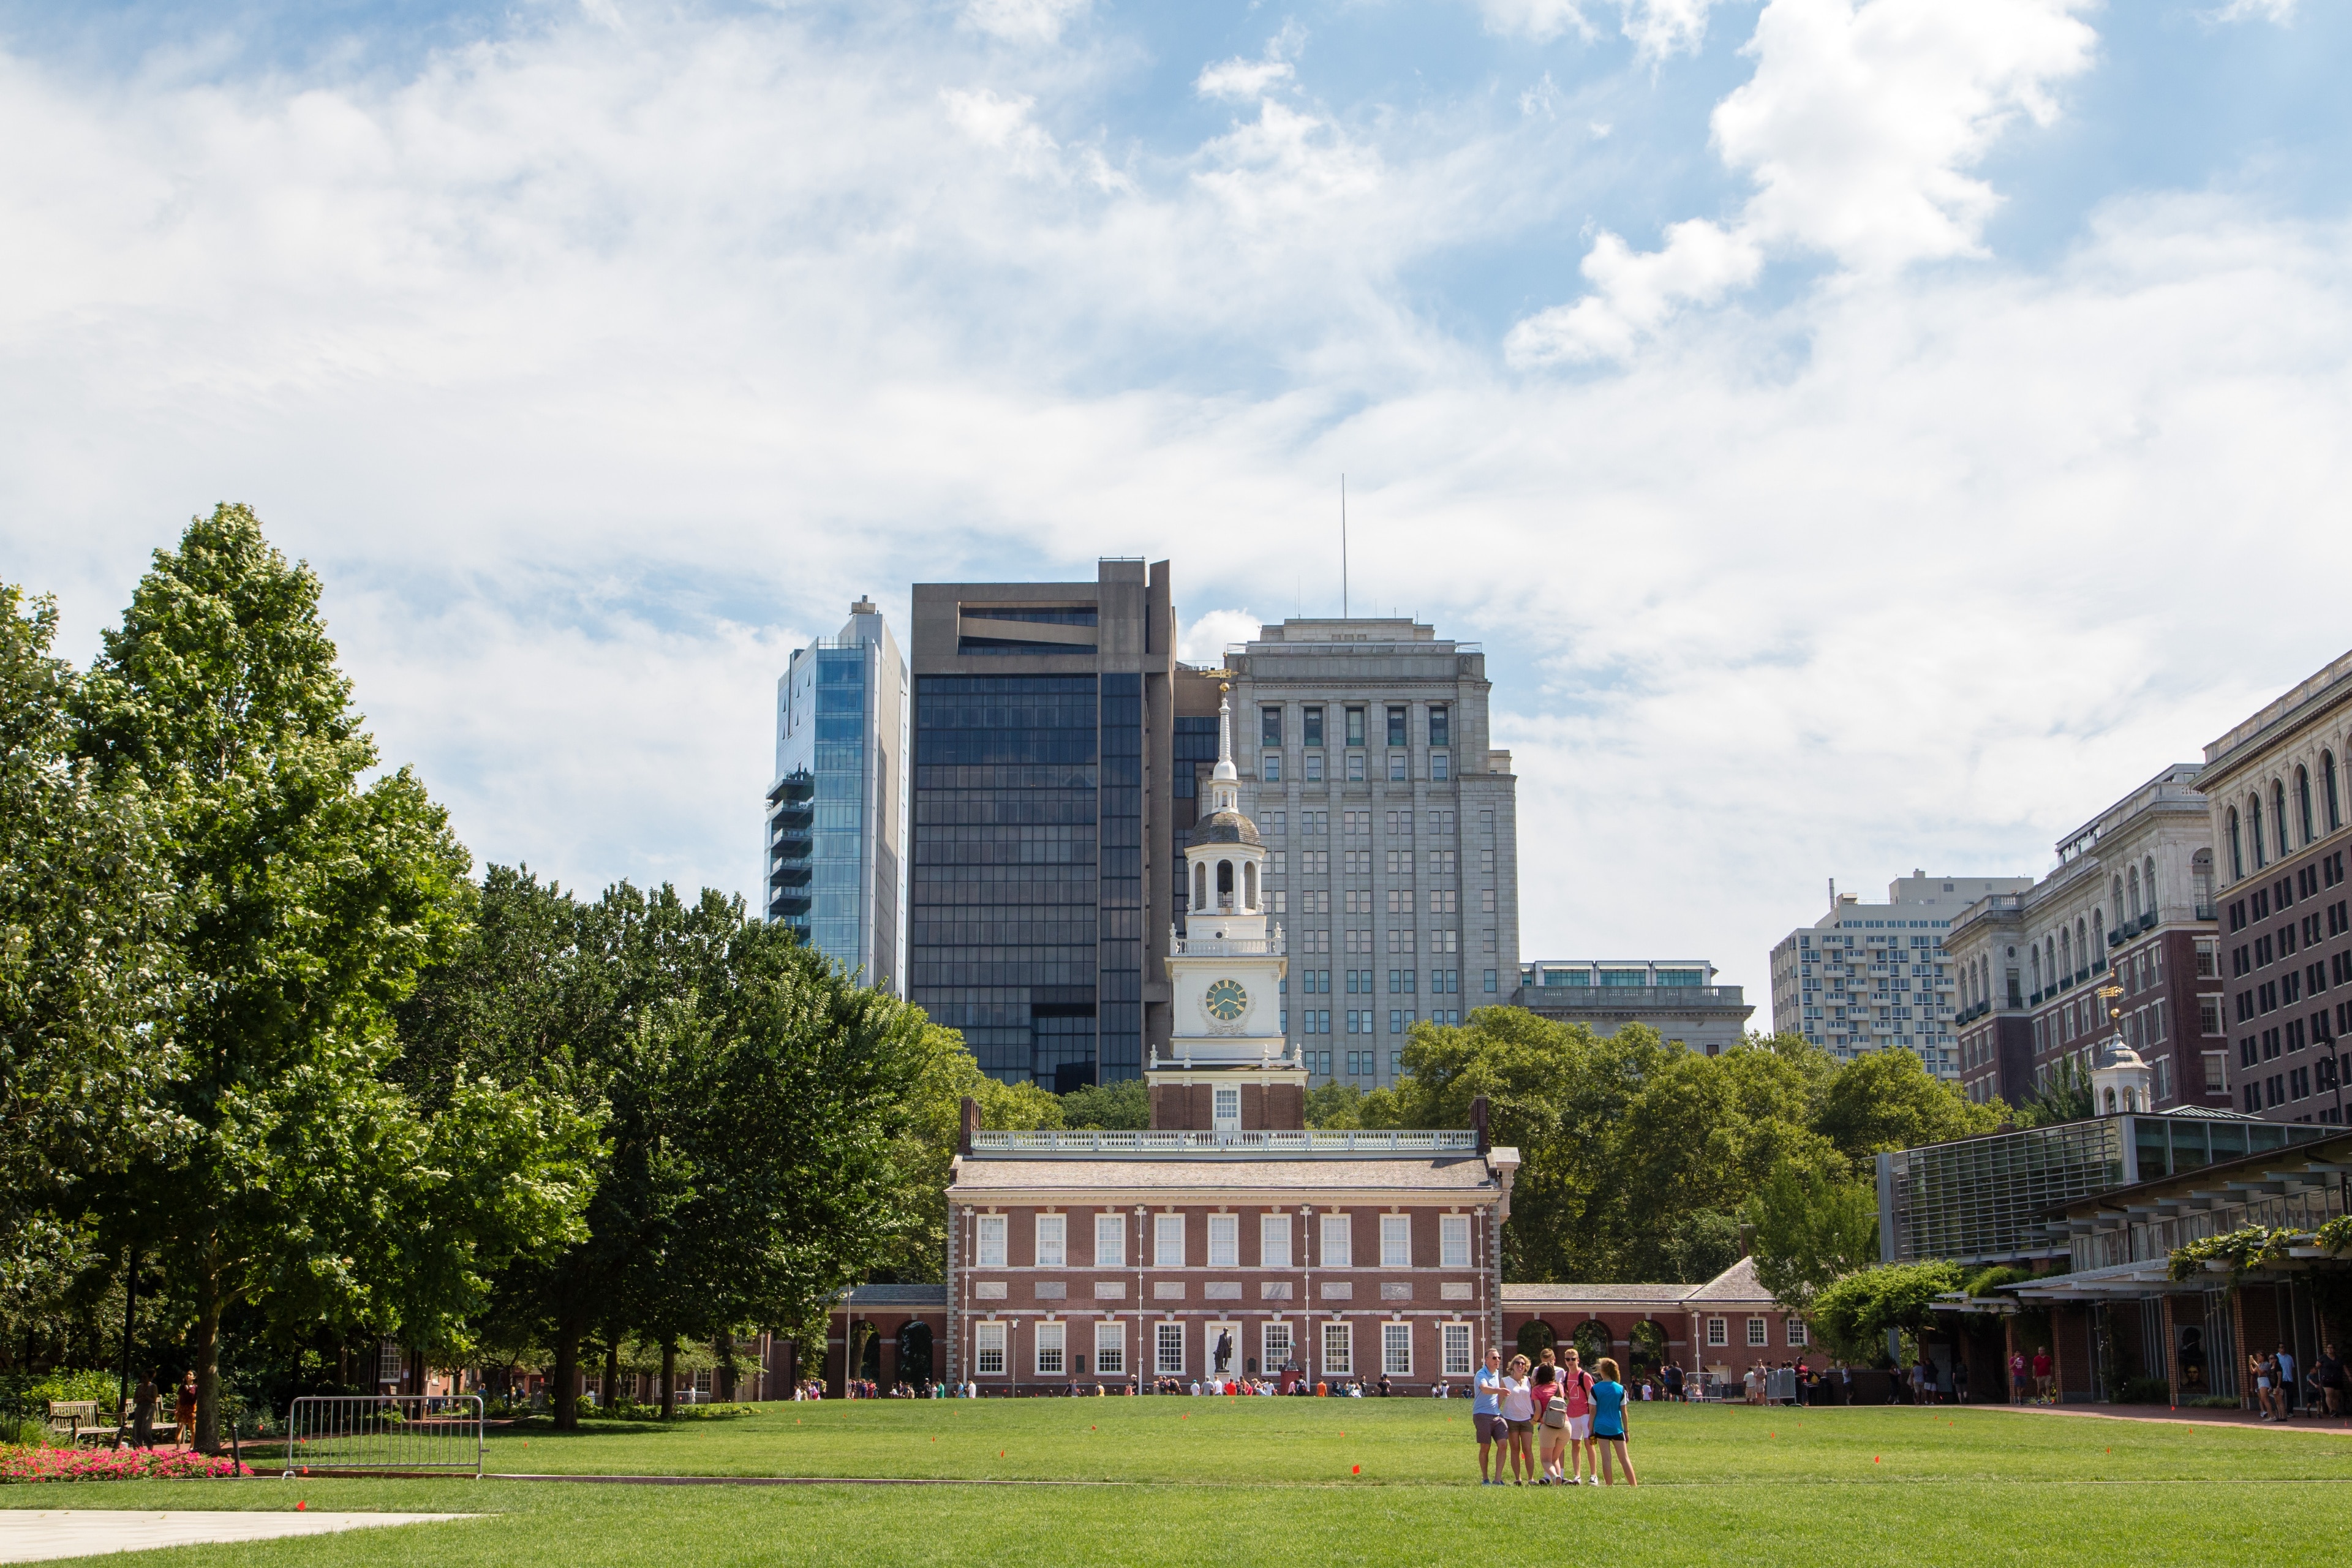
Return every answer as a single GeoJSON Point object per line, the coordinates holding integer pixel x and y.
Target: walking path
{"type": "Point", "coordinates": [27, 1535]}
{"type": "Point", "coordinates": [2189, 1416]}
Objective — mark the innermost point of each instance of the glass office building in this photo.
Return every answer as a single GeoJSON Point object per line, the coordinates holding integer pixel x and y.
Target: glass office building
{"type": "Point", "coordinates": [1030, 903]}
{"type": "Point", "coordinates": [837, 808]}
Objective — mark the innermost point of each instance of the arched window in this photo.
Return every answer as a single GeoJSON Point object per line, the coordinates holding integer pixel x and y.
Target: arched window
{"type": "Point", "coordinates": [1224, 884]}
{"type": "Point", "coordinates": [2135, 893]}
{"type": "Point", "coordinates": [2035, 960]}
{"type": "Point", "coordinates": [1200, 884]}
{"type": "Point", "coordinates": [2098, 932]}
{"type": "Point", "coordinates": [2302, 803]}
{"type": "Point", "coordinates": [2147, 882]}
{"type": "Point", "coordinates": [2050, 962]}
{"type": "Point", "coordinates": [2119, 899]}
{"type": "Point", "coordinates": [1249, 885]}
{"type": "Point", "coordinates": [2237, 855]}
{"type": "Point", "coordinates": [2278, 815]}
{"type": "Point", "coordinates": [2065, 954]}
{"type": "Point", "coordinates": [2111, 1103]}
{"type": "Point", "coordinates": [2328, 809]}
{"type": "Point", "coordinates": [2254, 823]}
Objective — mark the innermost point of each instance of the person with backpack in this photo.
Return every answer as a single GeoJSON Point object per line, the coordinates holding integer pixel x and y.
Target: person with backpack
{"type": "Point", "coordinates": [1574, 1398]}
{"type": "Point", "coordinates": [1608, 1423]}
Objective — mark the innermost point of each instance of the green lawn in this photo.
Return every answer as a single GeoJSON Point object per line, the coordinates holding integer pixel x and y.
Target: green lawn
{"type": "Point", "coordinates": [1267, 1481]}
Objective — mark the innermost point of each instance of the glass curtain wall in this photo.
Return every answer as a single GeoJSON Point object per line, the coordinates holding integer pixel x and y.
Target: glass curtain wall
{"type": "Point", "coordinates": [838, 880]}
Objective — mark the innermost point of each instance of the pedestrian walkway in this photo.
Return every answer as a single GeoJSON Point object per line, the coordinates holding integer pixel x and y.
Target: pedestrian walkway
{"type": "Point", "coordinates": [2186, 1416]}
{"type": "Point", "coordinates": [36, 1535]}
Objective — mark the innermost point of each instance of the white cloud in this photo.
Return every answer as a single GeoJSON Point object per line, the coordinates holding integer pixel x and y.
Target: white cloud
{"type": "Point", "coordinates": [1000, 122]}
{"type": "Point", "coordinates": [2279, 11]}
{"type": "Point", "coordinates": [1541, 20]}
{"type": "Point", "coordinates": [594, 372]}
{"type": "Point", "coordinates": [1025, 21]}
{"type": "Point", "coordinates": [1241, 79]}
{"type": "Point", "coordinates": [1858, 128]}
{"type": "Point", "coordinates": [1205, 641]}
{"type": "Point", "coordinates": [1661, 29]}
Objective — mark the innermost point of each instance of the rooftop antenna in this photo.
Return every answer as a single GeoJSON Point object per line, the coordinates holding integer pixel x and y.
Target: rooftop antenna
{"type": "Point", "coordinates": [1343, 547]}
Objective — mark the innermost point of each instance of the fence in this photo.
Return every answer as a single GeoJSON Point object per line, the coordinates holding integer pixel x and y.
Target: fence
{"type": "Point", "coordinates": [385, 1431]}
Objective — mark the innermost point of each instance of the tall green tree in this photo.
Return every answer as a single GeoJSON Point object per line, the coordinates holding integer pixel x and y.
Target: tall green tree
{"type": "Point", "coordinates": [312, 897]}
{"type": "Point", "coordinates": [87, 978]}
{"type": "Point", "coordinates": [1888, 1100]}
{"type": "Point", "coordinates": [1810, 1227]}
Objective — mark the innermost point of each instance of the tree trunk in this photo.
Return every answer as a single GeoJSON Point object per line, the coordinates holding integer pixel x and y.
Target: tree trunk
{"type": "Point", "coordinates": [208, 1317]}
{"type": "Point", "coordinates": [669, 1379]}
{"type": "Point", "coordinates": [612, 1371]}
{"type": "Point", "coordinates": [564, 1400]}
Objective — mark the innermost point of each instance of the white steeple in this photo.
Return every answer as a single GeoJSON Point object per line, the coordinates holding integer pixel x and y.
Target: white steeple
{"type": "Point", "coordinates": [1224, 863]}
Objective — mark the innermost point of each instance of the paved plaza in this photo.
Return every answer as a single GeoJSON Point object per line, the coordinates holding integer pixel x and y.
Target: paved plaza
{"type": "Point", "coordinates": [31, 1536]}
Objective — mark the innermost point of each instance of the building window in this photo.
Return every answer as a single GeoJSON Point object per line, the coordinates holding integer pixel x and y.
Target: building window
{"type": "Point", "coordinates": [1437, 769]}
{"type": "Point", "coordinates": [1224, 1241]}
{"type": "Point", "coordinates": [1110, 1241]}
{"type": "Point", "coordinates": [1110, 1347]}
{"type": "Point", "coordinates": [2327, 797]}
{"type": "Point", "coordinates": [1227, 1112]}
{"type": "Point", "coordinates": [1168, 1241]}
{"type": "Point", "coordinates": [1337, 1249]}
{"type": "Point", "coordinates": [2278, 815]}
{"type": "Point", "coordinates": [1270, 769]}
{"type": "Point", "coordinates": [1053, 1236]}
{"type": "Point", "coordinates": [1454, 1241]}
{"type": "Point", "coordinates": [1314, 767]}
{"type": "Point", "coordinates": [1758, 1333]}
{"type": "Point", "coordinates": [1338, 1350]}
{"type": "Point", "coordinates": [1355, 767]}
{"type": "Point", "coordinates": [1355, 726]}
{"type": "Point", "coordinates": [1269, 726]}
{"type": "Point", "coordinates": [1396, 1350]}
{"type": "Point", "coordinates": [991, 1241]}
{"type": "Point", "coordinates": [1311, 724]}
{"type": "Point", "coordinates": [1441, 732]}
{"type": "Point", "coordinates": [1167, 1348]}
{"type": "Point", "coordinates": [2237, 860]}
{"type": "Point", "coordinates": [988, 1349]}
{"type": "Point", "coordinates": [1718, 1332]}
{"type": "Point", "coordinates": [1797, 1332]}
{"type": "Point", "coordinates": [1051, 1340]}
{"type": "Point", "coordinates": [1396, 1241]}
{"type": "Point", "coordinates": [1399, 762]}
{"type": "Point", "coordinates": [1453, 1341]}
{"type": "Point", "coordinates": [1273, 1241]}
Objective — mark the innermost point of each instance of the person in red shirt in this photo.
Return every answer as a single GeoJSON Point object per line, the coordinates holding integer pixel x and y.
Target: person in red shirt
{"type": "Point", "coordinates": [2017, 1378]}
{"type": "Point", "coordinates": [2042, 1369]}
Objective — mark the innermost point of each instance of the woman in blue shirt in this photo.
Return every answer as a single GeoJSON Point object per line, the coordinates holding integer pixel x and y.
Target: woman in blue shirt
{"type": "Point", "coordinates": [1608, 1423]}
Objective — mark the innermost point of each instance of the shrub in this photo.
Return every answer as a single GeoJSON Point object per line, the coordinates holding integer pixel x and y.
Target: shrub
{"type": "Point", "coordinates": [2245, 1248]}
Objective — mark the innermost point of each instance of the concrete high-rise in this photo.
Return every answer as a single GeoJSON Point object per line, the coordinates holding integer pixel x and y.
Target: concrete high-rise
{"type": "Point", "coordinates": [1040, 895]}
{"type": "Point", "coordinates": [1391, 827]}
{"type": "Point", "coordinates": [836, 812]}
{"type": "Point", "coordinates": [1868, 977]}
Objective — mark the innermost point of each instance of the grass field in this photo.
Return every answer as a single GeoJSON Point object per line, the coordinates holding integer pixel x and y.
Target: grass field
{"type": "Point", "coordinates": [1201, 1480]}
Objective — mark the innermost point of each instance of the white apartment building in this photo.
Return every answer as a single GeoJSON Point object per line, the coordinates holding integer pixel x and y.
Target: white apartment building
{"type": "Point", "coordinates": [1868, 977]}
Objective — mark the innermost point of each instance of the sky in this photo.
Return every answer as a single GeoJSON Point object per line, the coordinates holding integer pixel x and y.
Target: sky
{"type": "Point", "coordinates": [1862, 433]}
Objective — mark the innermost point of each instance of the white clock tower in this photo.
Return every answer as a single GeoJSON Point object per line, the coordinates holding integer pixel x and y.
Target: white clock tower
{"type": "Point", "coordinates": [1229, 1068]}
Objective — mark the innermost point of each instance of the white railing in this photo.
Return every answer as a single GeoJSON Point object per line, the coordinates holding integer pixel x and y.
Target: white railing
{"type": "Point", "coordinates": [1096, 1141]}
{"type": "Point", "coordinates": [384, 1432]}
{"type": "Point", "coordinates": [1231, 947]}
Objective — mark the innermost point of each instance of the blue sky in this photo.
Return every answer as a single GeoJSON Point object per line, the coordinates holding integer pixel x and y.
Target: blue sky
{"type": "Point", "coordinates": [1862, 435]}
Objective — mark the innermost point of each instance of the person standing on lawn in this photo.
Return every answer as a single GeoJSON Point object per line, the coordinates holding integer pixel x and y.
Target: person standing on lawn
{"type": "Point", "coordinates": [183, 1412]}
{"type": "Point", "coordinates": [1608, 1422]}
{"type": "Point", "coordinates": [2042, 1368]}
{"type": "Point", "coordinates": [2017, 1378]}
{"type": "Point", "coordinates": [2286, 1384]}
{"type": "Point", "coordinates": [1960, 1380]}
{"type": "Point", "coordinates": [1486, 1416]}
{"type": "Point", "coordinates": [1576, 1395]}
{"type": "Point", "coordinates": [1520, 1416]}
{"type": "Point", "coordinates": [2327, 1377]}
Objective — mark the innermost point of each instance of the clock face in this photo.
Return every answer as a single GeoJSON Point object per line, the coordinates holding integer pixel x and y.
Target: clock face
{"type": "Point", "coordinates": [1226, 1000]}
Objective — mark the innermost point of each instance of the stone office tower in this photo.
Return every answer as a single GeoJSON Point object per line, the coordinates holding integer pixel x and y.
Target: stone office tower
{"type": "Point", "coordinates": [1040, 894]}
{"type": "Point", "coordinates": [1391, 828]}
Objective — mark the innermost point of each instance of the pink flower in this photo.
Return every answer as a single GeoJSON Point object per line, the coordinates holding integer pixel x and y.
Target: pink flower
{"type": "Point", "coordinates": [21, 1465]}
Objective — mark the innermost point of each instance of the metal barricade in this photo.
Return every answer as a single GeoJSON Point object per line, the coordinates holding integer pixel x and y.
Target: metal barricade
{"type": "Point", "coordinates": [427, 1432]}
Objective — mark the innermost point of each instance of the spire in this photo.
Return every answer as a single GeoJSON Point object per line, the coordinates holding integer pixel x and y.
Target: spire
{"type": "Point", "coordinates": [1225, 770]}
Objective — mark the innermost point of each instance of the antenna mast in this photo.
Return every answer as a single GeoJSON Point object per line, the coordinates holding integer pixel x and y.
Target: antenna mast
{"type": "Point", "coordinates": [1343, 547]}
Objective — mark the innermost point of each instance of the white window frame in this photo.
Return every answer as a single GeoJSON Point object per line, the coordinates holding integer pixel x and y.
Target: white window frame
{"type": "Point", "coordinates": [1454, 1241]}
{"type": "Point", "coordinates": [1051, 1348]}
{"type": "Point", "coordinates": [1277, 1345]}
{"type": "Point", "coordinates": [1273, 1241]}
{"type": "Point", "coordinates": [1224, 1241]}
{"type": "Point", "coordinates": [1167, 1337]}
{"type": "Point", "coordinates": [1797, 1333]}
{"type": "Point", "coordinates": [988, 1349]}
{"type": "Point", "coordinates": [1454, 1346]}
{"type": "Point", "coordinates": [1718, 1333]}
{"type": "Point", "coordinates": [1339, 1241]}
{"type": "Point", "coordinates": [1340, 1335]}
{"type": "Point", "coordinates": [1225, 1108]}
{"type": "Point", "coordinates": [1396, 1350]}
{"type": "Point", "coordinates": [1396, 1241]}
{"type": "Point", "coordinates": [1110, 1339]}
{"type": "Point", "coordinates": [1760, 1333]}
{"type": "Point", "coordinates": [1168, 1241]}
{"type": "Point", "coordinates": [988, 1249]}
{"type": "Point", "coordinates": [1110, 1241]}
{"type": "Point", "coordinates": [1052, 1241]}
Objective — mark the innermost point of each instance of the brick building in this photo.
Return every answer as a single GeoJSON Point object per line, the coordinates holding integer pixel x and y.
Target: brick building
{"type": "Point", "coordinates": [2279, 812]}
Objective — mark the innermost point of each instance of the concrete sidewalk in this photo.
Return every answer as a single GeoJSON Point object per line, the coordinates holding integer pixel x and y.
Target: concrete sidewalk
{"type": "Point", "coordinates": [2185, 1417]}
{"type": "Point", "coordinates": [30, 1535]}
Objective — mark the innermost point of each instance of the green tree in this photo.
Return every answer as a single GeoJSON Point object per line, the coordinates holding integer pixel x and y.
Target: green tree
{"type": "Point", "coordinates": [300, 1180]}
{"type": "Point", "coordinates": [1888, 1100]}
{"type": "Point", "coordinates": [87, 978]}
{"type": "Point", "coordinates": [1855, 1314]}
{"type": "Point", "coordinates": [1810, 1227]}
{"type": "Point", "coordinates": [943, 1075]}
{"type": "Point", "coordinates": [2062, 1094]}
{"type": "Point", "coordinates": [1121, 1107]}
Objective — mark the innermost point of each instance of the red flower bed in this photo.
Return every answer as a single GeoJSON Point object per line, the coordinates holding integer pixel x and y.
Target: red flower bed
{"type": "Point", "coordinates": [112, 1465]}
